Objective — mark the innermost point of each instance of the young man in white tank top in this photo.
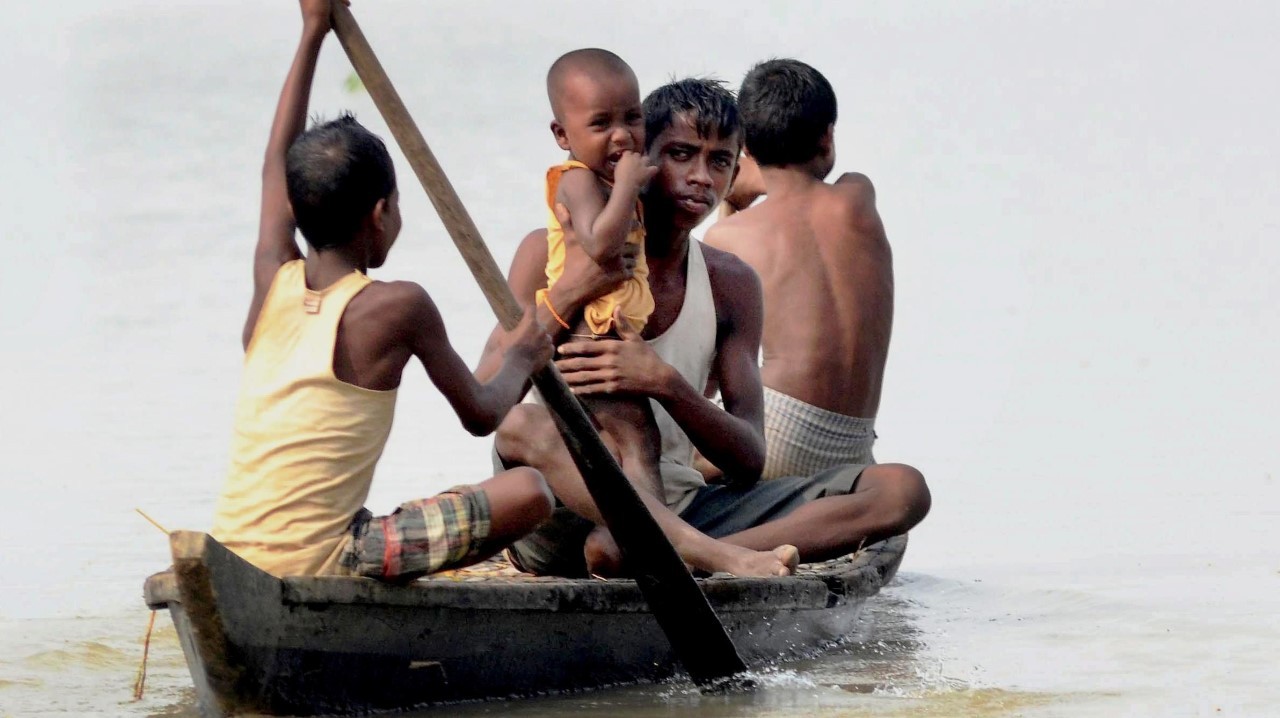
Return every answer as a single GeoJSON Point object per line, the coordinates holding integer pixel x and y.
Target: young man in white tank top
{"type": "Point", "coordinates": [706, 327]}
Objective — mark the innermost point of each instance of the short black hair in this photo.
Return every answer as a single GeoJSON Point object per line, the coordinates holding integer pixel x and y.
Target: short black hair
{"type": "Point", "coordinates": [336, 172]}
{"type": "Point", "coordinates": [786, 108]}
{"type": "Point", "coordinates": [708, 102]}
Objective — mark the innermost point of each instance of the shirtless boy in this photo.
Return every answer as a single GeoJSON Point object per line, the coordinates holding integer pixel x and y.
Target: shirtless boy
{"type": "Point", "coordinates": [705, 327]}
{"type": "Point", "coordinates": [325, 347]}
{"type": "Point", "coordinates": [827, 272]}
{"type": "Point", "coordinates": [595, 100]}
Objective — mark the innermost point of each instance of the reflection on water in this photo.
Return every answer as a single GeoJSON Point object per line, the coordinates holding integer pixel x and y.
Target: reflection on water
{"type": "Point", "coordinates": [185, 707]}
{"type": "Point", "coordinates": [926, 646]}
{"type": "Point", "coordinates": [877, 670]}
{"type": "Point", "coordinates": [887, 668]}
{"type": "Point", "coordinates": [87, 667]}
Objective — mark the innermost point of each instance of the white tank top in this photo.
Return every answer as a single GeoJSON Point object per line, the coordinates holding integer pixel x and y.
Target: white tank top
{"type": "Point", "coordinates": [689, 345]}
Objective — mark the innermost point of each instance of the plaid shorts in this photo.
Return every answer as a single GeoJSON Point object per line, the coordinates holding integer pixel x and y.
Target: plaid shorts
{"type": "Point", "coordinates": [802, 439]}
{"type": "Point", "coordinates": [420, 537]}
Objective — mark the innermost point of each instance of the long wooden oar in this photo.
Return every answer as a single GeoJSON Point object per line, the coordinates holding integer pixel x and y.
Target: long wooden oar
{"type": "Point", "coordinates": [695, 632]}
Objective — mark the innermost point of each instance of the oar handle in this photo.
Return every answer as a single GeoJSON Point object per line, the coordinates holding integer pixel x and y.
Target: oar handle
{"type": "Point", "coordinates": [439, 189]}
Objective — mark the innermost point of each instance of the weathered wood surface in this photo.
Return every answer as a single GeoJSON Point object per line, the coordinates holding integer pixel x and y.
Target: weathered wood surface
{"type": "Point", "coordinates": [303, 646]}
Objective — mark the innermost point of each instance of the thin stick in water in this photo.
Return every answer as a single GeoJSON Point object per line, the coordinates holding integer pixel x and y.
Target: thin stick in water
{"type": "Point", "coordinates": [146, 650]}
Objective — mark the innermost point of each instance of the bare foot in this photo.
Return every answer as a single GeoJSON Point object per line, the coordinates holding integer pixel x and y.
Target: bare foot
{"type": "Point", "coordinates": [781, 561]}
{"type": "Point", "coordinates": [604, 559]}
{"type": "Point", "coordinates": [602, 554]}
{"type": "Point", "coordinates": [790, 557]}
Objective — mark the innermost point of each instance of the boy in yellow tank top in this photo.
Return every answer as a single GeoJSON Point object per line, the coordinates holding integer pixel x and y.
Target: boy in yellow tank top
{"type": "Point", "coordinates": [598, 120]}
{"type": "Point", "coordinates": [325, 347]}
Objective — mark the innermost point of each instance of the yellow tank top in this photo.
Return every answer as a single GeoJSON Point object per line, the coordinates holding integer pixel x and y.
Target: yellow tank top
{"type": "Point", "coordinates": [305, 443]}
{"type": "Point", "coordinates": [633, 295]}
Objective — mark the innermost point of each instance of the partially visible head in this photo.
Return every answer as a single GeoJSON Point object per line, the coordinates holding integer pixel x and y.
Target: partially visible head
{"type": "Point", "coordinates": [595, 99]}
{"type": "Point", "coordinates": [789, 114]}
{"type": "Point", "coordinates": [693, 135]}
{"type": "Point", "coordinates": [342, 186]}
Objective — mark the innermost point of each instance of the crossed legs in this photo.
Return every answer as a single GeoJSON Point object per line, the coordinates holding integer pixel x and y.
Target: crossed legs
{"type": "Point", "coordinates": [528, 437]}
{"type": "Point", "coordinates": [886, 500]}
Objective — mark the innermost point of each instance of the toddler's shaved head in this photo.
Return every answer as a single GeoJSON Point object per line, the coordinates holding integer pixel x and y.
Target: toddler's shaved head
{"type": "Point", "coordinates": [592, 62]}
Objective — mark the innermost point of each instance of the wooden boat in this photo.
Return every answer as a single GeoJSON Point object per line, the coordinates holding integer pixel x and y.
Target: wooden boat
{"type": "Point", "coordinates": [258, 645]}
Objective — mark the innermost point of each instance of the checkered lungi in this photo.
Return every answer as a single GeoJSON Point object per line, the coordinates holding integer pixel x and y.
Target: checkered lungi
{"type": "Point", "coordinates": [420, 537]}
{"type": "Point", "coordinates": [802, 439]}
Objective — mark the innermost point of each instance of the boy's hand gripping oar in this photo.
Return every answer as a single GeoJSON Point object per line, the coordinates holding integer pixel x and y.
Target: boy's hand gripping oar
{"type": "Point", "coordinates": [695, 632]}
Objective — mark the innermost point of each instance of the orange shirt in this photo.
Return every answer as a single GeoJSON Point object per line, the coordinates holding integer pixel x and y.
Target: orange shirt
{"type": "Point", "coordinates": [633, 295]}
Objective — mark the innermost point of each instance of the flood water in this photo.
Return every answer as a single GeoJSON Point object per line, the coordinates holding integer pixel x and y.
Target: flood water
{"type": "Point", "coordinates": [1084, 206]}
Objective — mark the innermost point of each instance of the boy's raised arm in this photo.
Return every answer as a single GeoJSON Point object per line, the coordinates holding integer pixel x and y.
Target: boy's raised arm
{"type": "Point", "coordinates": [276, 243]}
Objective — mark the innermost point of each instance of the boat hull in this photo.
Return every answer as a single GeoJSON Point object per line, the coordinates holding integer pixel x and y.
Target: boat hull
{"type": "Point", "coordinates": [258, 645]}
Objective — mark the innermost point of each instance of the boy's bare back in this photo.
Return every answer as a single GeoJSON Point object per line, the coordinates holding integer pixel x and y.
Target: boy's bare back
{"type": "Point", "coordinates": [827, 272]}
